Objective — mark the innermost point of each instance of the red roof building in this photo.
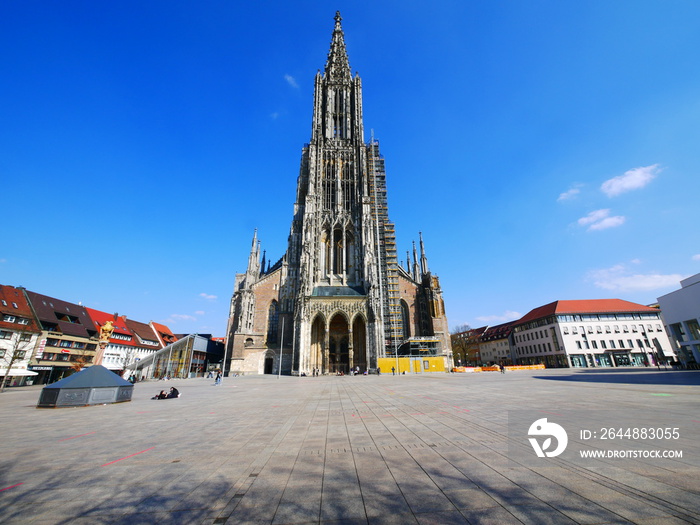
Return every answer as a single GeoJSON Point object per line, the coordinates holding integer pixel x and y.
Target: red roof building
{"type": "Point", "coordinates": [19, 335]}
{"type": "Point", "coordinates": [122, 347]}
{"type": "Point", "coordinates": [592, 333]}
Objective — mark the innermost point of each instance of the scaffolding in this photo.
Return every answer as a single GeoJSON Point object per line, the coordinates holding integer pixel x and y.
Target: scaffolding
{"type": "Point", "coordinates": [386, 253]}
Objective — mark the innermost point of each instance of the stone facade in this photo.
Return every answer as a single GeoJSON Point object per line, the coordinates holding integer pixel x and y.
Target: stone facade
{"type": "Point", "coordinates": [337, 300]}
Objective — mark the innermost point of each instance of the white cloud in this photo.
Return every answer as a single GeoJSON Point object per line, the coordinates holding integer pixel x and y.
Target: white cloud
{"type": "Point", "coordinates": [633, 179]}
{"type": "Point", "coordinates": [696, 257]}
{"type": "Point", "coordinates": [199, 312]}
{"type": "Point", "coordinates": [508, 315]}
{"type": "Point", "coordinates": [291, 81]}
{"type": "Point", "coordinates": [570, 194]}
{"type": "Point", "coordinates": [181, 317]}
{"type": "Point", "coordinates": [601, 220]}
{"type": "Point", "coordinates": [619, 279]}
{"type": "Point", "coordinates": [208, 297]}
{"type": "Point", "coordinates": [608, 222]}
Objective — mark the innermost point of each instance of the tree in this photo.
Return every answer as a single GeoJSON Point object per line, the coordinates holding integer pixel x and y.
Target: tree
{"type": "Point", "coordinates": [465, 345]}
{"type": "Point", "coordinates": [19, 348]}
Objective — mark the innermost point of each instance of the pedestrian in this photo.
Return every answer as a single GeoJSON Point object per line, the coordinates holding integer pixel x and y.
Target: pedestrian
{"type": "Point", "coordinates": [218, 379]}
{"type": "Point", "coordinates": [393, 371]}
{"type": "Point", "coordinates": [503, 368]}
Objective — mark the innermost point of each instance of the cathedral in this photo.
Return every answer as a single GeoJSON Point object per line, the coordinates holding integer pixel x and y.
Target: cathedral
{"type": "Point", "coordinates": [338, 300]}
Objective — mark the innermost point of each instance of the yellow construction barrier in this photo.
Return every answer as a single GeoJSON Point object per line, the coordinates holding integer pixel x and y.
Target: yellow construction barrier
{"type": "Point", "coordinates": [411, 365]}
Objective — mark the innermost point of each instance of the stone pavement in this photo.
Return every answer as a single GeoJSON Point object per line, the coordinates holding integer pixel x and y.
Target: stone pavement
{"type": "Point", "coordinates": [426, 449]}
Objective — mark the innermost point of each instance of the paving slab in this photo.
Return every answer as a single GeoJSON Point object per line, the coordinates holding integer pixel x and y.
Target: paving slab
{"type": "Point", "coordinates": [412, 449]}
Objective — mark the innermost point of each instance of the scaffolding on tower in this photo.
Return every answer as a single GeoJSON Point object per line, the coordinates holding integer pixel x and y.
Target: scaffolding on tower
{"type": "Point", "coordinates": [386, 254]}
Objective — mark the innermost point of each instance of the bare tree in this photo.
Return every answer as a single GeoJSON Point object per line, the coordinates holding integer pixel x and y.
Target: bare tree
{"type": "Point", "coordinates": [20, 345]}
{"type": "Point", "coordinates": [465, 345]}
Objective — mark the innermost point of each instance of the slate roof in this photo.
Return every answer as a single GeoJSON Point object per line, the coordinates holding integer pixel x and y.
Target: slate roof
{"type": "Point", "coordinates": [95, 376]}
{"type": "Point", "coordinates": [337, 291]}
{"type": "Point", "coordinates": [51, 310]}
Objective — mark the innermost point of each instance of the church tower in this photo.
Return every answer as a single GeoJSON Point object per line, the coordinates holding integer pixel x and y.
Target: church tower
{"type": "Point", "coordinates": [338, 299]}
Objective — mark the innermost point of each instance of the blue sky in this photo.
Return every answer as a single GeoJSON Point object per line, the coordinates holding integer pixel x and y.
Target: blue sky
{"type": "Point", "coordinates": [547, 150]}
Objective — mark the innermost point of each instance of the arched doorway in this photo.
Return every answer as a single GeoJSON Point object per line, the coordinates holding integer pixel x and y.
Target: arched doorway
{"type": "Point", "coordinates": [269, 364]}
{"type": "Point", "coordinates": [318, 336]}
{"type": "Point", "coordinates": [359, 343]}
{"type": "Point", "coordinates": [338, 345]}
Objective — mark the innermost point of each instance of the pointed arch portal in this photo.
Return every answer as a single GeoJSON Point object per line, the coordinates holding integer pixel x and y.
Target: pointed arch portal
{"type": "Point", "coordinates": [338, 345]}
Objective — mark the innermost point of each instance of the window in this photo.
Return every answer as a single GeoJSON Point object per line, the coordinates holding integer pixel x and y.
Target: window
{"type": "Point", "coordinates": [595, 345]}
{"type": "Point", "coordinates": [8, 318]}
{"type": "Point", "coordinates": [5, 334]}
{"type": "Point", "coordinates": [630, 343]}
{"type": "Point", "coordinates": [693, 328]}
{"type": "Point", "coordinates": [617, 329]}
{"type": "Point", "coordinates": [624, 328]}
{"type": "Point", "coordinates": [612, 343]}
{"type": "Point", "coordinates": [272, 322]}
{"type": "Point", "coordinates": [25, 337]}
{"type": "Point", "coordinates": [2, 352]}
{"type": "Point", "coordinates": [621, 343]}
{"type": "Point", "coordinates": [603, 345]}
{"type": "Point", "coordinates": [20, 354]}
{"type": "Point", "coordinates": [578, 345]}
{"type": "Point", "coordinates": [22, 320]}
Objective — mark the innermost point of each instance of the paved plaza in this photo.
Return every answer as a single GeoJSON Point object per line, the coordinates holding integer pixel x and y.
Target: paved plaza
{"type": "Point", "coordinates": [425, 449]}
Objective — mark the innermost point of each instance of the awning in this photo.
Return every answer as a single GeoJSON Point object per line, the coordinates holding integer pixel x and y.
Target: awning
{"type": "Point", "coordinates": [16, 372]}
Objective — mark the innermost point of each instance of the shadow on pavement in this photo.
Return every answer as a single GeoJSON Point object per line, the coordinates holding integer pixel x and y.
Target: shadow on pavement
{"type": "Point", "coordinates": [630, 377]}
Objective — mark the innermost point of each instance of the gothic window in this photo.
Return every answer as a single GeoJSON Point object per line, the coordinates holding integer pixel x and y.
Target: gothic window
{"type": "Point", "coordinates": [272, 322]}
{"type": "Point", "coordinates": [405, 320]}
{"type": "Point", "coordinates": [349, 251]}
{"type": "Point", "coordinates": [337, 251]}
{"type": "Point", "coordinates": [348, 184]}
{"type": "Point", "coordinates": [329, 189]}
{"type": "Point", "coordinates": [338, 115]}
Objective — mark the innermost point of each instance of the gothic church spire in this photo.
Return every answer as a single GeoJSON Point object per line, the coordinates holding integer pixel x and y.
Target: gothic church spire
{"type": "Point", "coordinates": [337, 65]}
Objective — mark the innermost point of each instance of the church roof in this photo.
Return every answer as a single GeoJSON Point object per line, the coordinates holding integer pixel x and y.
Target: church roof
{"type": "Point", "coordinates": [337, 291]}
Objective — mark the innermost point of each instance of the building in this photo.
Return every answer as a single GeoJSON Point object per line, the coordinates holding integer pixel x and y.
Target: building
{"type": "Point", "coordinates": [592, 333]}
{"type": "Point", "coordinates": [190, 356]}
{"type": "Point", "coordinates": [681, 314]}
{"type": "Point", "coordinates": [146, 338]}
{"type": "Point", "coordinates": [466, 347]}
{"type": "Point", "coordinates": [19, 335]}
{"type": "Point", "coordinates": [496, 344]}
{"type": "Point", "coordinates": [337, 300]}
{"type": "Point", "coordinates": [121, 348]}
{"type": "Point", "coordinates": [68, 340]}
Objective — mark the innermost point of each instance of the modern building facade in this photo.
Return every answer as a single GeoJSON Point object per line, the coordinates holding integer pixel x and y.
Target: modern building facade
{"type": "Point", "coordinates": [681, 314]}
{"type": "Point", "coordinates": [592, 333]}
{"type": "Point", "coordinates": [337, 300]}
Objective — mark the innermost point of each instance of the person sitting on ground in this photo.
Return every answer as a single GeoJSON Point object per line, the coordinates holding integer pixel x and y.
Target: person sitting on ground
{"type": "Point", "coordinates": [163, 395]}
{"type": "Point", "coordinates": [174, 392]}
